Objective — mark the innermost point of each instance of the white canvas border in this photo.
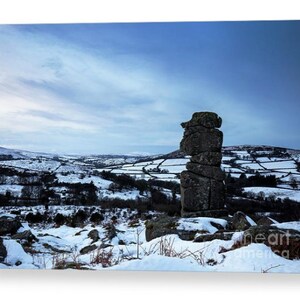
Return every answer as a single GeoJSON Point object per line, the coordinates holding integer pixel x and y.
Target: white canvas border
{"type": "Point", "coordinates": [153, 285]}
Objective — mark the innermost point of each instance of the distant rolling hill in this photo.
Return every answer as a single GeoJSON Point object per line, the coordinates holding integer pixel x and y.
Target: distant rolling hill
{"type": "Point", "coordinates": [249, 160]}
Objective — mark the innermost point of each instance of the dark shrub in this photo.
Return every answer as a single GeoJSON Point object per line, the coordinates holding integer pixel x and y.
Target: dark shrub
{"type": "Point", "coordinates": [96, 217]}
{"type": "Point", "coordinates": [114, 219]}
{"type": "Point", "coordinates": [35, 218]}
{"type": "Point", "coordinates": [78, 219]}
{"type": "Point", "coordinates": [59, 219]}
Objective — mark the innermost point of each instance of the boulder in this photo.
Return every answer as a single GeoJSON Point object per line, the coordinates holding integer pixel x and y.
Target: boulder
{"type": "Point", "coordinates": [218, 226]}
{"type": "Point", "coordinates": [54, 249]}
{"type": "Point", "coordinates": [25, 236]}
{"type": "Point", "coordinates": [9, 225]}
{"type": "Point", "coordinates": [160, 226]}
{"type": "Point", "coordinates": [239, 222]}
{"type": "Point", "coordinates": [265, 221]}
{"type": "Point", "coordinates": [283, 242]}
{"type": "Point", "coordinates": [88, 249]}
{"type": "Point", "coordinates": [3, 252]}
{"type": "Point", "coordinates": [94, 235]}
{"type": "Point", "coordinates": [187, 235]}
{"type": "Point", "coordinates": [104, 245]}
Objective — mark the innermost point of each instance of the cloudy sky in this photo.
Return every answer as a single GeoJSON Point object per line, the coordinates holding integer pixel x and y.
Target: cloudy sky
{"type": "Point", "coordinates": [125, 88]}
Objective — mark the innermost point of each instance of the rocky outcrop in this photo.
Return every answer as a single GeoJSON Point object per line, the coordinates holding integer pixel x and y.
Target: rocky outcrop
{"type": "Point", "coordinates": [9, 225]}
{"type": "Point", "coordinates": [160, 226]}
{"type": "Point", "coordinates": [265, 221]}
{"type": "Point", "coordinates": [283, 242]}
{"type": "Point", "coordinates": [202, 186]}
{"type": "Point", "coordinates": [239, 222]}
{"type": "Point", "coordinates": [25, 236]}
{"type": "Point", "coordinates": [163, 225]}
{"type": "Point", "coordinates": [88, 249]}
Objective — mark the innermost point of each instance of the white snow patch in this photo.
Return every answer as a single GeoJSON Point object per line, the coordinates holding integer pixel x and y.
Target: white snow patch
{"type": "Point", "coordinates": [251, 222]}
{"type": "Point", "coordinates": [200, 224]}
{"type": "Point", "coordinates": [288, 225]}
{"type": "Point", "coordinates": [14, 189]}
{"type": "Point", "coordinates": [17, 255]}
{"type": "Point", "coordinates": [277, 192]}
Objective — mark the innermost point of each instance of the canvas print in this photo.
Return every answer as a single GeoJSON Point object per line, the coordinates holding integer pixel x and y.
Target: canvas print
{"type": "Point", "coordinates": [150, 146]}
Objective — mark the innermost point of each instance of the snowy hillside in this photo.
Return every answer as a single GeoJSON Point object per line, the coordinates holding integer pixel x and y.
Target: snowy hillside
{"type": "Point", "coordinates": [240, 160]}
{"type": "Point", "coordinates": [97, 212]}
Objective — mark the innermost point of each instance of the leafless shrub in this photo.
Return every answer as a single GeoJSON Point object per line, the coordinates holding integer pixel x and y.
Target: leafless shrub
{"type": "Point", "coordinates": [103, 257]}
{"type": "Point", "coordinates": [62, 261]}
{"type": "Point", "coordinates": [68, 260]}
{"type": "Point", "coordinates": [165, 247]}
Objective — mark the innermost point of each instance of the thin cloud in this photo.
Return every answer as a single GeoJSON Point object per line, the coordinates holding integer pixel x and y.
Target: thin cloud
{"type": "Point", "coordinates": [68, 96]}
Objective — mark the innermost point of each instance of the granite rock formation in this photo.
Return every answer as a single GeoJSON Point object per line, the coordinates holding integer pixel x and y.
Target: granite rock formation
{"type": "Point", "coordinates": [202, 185]}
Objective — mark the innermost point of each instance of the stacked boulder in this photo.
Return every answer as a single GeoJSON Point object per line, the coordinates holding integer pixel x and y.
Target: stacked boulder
{"type": "Point", "coordinates": [202, 185]}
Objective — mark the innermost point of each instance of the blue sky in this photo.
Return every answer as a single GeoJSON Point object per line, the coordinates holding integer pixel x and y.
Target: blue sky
{"type": "Point", "coordinates": [125, 88]}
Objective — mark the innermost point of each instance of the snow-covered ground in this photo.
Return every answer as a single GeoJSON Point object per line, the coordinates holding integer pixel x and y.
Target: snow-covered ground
{"type": "Point", "coordinates": [276, 192]}
{"type": "Point", "coordinates": [60, 246]}
{"type": "Point", "coordinates": [34, 165]}
{"type": "Point", "coordinates": [82, 178]}
{"type": "Point", "coordinates": [14, 189]}
{"type": "Point", "coordinates": [126, 195]}
{"type": "Point", "coordinates": [200, 224]}
{"type": "Point", "coordinates": [253, 258]}
{"type": "Point", "coordinates": [289, 225]}
{"type": "Point", "coordinates": [275, 165]}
